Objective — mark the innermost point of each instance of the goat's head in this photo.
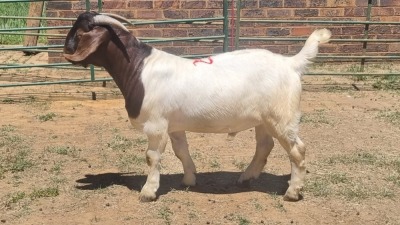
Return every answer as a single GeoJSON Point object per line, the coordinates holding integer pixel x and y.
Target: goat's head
{"type": "Point", "coordinates": [90, 31]}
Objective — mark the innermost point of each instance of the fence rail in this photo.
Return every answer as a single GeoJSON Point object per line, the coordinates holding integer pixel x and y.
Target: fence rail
{"type": "Point", "coordinates": [365, 40]}
{"type": "Point", "coordinates": [228, 36]}
{"type": "Point", "coordinates": [221, 20]}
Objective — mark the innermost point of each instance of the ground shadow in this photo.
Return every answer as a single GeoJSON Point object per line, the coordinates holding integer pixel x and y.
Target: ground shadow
{"type": "Point", "coordinates": [212, 182]}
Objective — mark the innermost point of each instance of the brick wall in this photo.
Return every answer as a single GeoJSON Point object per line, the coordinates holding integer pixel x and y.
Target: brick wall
{"type": "Point", "coordinates": [383, 10]}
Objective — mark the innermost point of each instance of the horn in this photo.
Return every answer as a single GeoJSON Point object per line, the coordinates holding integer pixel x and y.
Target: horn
{"type": "Point", "coordinates": [106, 20]}
{"type": "Point", "coordinates": [118, 17]}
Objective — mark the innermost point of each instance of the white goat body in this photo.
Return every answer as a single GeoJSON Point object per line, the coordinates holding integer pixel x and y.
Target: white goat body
{"type": "Point", "coordinates": [237, 91]}
{"type": "Point", "coordinates": [226, 93]}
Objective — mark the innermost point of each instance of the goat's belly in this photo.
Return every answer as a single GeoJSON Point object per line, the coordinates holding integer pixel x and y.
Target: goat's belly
{"type": "Point", "coordinates": [207, 126]}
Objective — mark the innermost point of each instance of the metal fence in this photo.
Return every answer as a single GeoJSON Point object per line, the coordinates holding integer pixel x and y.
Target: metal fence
{"type": "Point", "coordinates": [223, 39]}
{"type": "Point", "coordinates": [360, 58]}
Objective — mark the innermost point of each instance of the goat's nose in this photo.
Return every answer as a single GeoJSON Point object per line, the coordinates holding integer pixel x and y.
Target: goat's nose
{"type": "Point", "coordinates": [69, 46]}
{"type": "Point", "coordinates": [68, 50]}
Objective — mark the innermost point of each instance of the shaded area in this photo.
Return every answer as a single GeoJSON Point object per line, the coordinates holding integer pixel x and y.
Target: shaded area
{"type": "Point", "coordinates": [211, 182]}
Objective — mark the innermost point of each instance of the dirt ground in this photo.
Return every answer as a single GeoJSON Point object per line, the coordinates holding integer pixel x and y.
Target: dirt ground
{"type": "Point", "coordinates": [67, 159]}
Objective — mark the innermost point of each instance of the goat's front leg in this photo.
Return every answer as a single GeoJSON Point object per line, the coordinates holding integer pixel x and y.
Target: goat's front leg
{"type": "Point", "coordinates": [155, 148]}
{"type": "Point", "coordinates": [180, 147]}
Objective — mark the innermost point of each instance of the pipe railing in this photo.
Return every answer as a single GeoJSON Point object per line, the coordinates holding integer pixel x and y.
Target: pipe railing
{"type": "Point", "coordinates": [222, 20]}
{"type": "Point", "coordinates": [365, 40]}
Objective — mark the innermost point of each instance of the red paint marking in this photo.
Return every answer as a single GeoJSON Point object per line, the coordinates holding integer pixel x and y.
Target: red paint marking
{"type": "Point", "coordinates": [210, 61]}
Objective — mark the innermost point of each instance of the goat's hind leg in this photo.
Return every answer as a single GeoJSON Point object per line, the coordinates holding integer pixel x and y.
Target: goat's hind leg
{"type": "Point", "coordinates": [180, 147]}
{"type": "Point", "coordinates": [265, 143]}
{"type": "Point", "coordinates": [296, 151]}
{"type": "Point", "coordinates": [155, 148]}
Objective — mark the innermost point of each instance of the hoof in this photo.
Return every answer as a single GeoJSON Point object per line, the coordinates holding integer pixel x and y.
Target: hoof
{"type": "Point", "coordinates": [293, 194]}
{"type": "Point", "coordinates": [189, 181]}
{"type": "Point", "coordinates": [188, 185]}
{"type": "Point", "coordinates": [147, 197]}
{"type": "Point", "coordinates": [243, 184]}
{"type": "Point", "coordinates": [292, 197]}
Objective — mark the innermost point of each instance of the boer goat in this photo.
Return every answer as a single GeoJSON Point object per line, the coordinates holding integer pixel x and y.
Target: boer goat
{"type": "Point", "coordinates": [166, 95]}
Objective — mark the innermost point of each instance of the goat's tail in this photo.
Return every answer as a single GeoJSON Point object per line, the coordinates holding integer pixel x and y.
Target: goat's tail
{"type": "Point", "coordinates": [310, 48]}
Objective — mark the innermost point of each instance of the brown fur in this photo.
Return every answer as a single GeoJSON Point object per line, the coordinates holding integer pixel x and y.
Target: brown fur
{"type": "Point", "coordinates": [97, 47]}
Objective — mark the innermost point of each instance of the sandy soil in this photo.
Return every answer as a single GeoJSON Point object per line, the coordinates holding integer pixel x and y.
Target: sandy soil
{"type": "Point", "coordinates": [67, 159]}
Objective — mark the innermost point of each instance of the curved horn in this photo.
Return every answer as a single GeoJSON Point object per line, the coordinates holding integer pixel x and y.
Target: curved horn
{"type": "Point", "coordinates": [117, 17]}
{"type": "Point", "coordinates": [106, 20]}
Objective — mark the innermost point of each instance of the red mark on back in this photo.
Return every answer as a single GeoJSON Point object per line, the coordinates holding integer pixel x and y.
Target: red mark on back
{"type": "Point", "coordinates": [210, 61]}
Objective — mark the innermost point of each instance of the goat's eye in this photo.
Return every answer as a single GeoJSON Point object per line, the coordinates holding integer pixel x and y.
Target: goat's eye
{"type": "Point", "coordinates": [79, 34]}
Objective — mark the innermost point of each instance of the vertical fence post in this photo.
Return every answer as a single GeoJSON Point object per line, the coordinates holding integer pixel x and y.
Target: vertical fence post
{"type": "Point", "coordinates": [366, 29]}
{"type": "Point", "coordinates": [92, 76]}
{"type": "Point", "coordinates": [225, 26]}
{"type": "Point", "coordinates": [100, 6]}
{"type": "Point", "coordinates": [35, 9]}
{"type": "Point", "coordinates": [237, 23]}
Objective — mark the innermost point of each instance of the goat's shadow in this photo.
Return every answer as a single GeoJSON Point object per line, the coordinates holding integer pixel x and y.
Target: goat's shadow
{"type": "Point", "coordinates": [213, 182]}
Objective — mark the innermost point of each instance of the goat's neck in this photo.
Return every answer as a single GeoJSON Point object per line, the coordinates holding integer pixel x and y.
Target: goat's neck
{"type": "Point", "coordinates": [127, 75]}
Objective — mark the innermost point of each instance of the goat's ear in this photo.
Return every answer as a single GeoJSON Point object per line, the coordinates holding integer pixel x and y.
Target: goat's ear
{"type": "Point", "coordinates": [88, 43]}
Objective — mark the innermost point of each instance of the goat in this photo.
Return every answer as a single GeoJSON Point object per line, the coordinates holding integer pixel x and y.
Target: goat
{"type": "Point", "coordinates": [166, 95]}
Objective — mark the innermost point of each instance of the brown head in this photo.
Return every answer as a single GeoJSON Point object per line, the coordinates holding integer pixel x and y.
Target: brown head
{"type": "Point", "coordinates": [89, 32]}
{"type": "Point", "coordinates": [103, 41]}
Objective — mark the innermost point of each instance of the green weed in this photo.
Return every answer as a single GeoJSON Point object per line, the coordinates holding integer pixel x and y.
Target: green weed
{"type": "Point", "coordinates": [56, 168]}
{"type": "Point", "coordinates": [337, 178]}
{"type": "Point", "coordinates": [8, 101]}
{"type": "Point", "coordinates": [58, 180]}
{"type": "Point", "coordinates": [359, 186]}
{"type": "Point", "coordinates": [364, 158]}
{"type": "Point", "coordinates": [359, 77]}
{"type": "Point", "coordinates": [7, 128]}
{"type": "Point", "coordinates": [240, 165]}
{"type": "Point", "coordinates": [46, 117]}
{"type": "Point", "coordinates": [387, 82]}
{"type": "Point", "coordinates": [36, 194]}
{"type": "Point", "coordinates": [357, 69]}
{"type": "Point", "coordinates": [317, 117]}
{"type": "Point", "coordinates": [385, 193]}
{"type": "Point", "coordinates": [14, 198]}
{"type": "Point", "coordinates": [44, 193]}
{"type": "Point", "coordinates": [392, 117]}
{"type": "Point", "coordinates": [240, 219]}
{"type": "Point", "coordinates": [128, 162]}
{"type": "Point", "coordinates": [20, 162]}
{"type": "Point", "coordinates": [354, 68]}
{"type": "Point", "coordinates": [121, 143]}
{"type": "Point", "coordinates": [215, 164]}
{"type": "Point", "coordinates": [395, 179]}
{"type": "Point", "coordinates": [165, 213]}
{"type": "Point", "coordinates": [243, 221]}
{"type": "Point", "coordinates": [324, 185]}
{"type": "Point", "coordinates": [318, 187]}
{"type": "Point", "coordinates": [63, 150]}
{"type": "Point", "coordinates": [256, 204]}
{"type": "Point", "coordinates": [355, 193]}
{"type": "Point", "coordinates": [8, 139]}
